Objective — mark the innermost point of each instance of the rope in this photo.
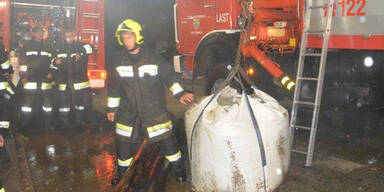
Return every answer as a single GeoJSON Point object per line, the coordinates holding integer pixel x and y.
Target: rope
{"type": "Point", "coordinates": [259, 141]}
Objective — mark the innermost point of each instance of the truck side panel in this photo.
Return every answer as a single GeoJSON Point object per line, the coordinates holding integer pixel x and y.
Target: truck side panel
{"type": "Point", "coordinates": [90, 29]}
{"type": "Point", "coordinates": [196, 19]}
{"type": "Point", "coordinates": [5, 20]}
{"type": "Point", "coordinates": [358, 24]}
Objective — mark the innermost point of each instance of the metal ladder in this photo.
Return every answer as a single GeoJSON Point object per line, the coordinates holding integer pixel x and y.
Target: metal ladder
{"type": "Point", "coordinates": [297, 102]}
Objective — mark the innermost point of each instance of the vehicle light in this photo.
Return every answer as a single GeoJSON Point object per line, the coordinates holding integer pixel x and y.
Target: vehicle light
{"type": "Point", "coordinates": [251, 71]}
{"type": "Point", "coordinates": [97, 74]}
{"type": "Point", "coordinates": [102, 75]}
{"type": "Point", "coordinates": [368, 61]}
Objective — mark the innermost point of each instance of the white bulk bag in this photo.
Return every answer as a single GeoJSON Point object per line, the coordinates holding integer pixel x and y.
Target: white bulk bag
{"type": "Point", "coordinates": [225, 153]}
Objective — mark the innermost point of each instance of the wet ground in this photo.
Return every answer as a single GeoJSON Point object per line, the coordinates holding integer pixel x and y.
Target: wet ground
{"type": "Point", "coordinates": [340, 164]}
{"type": "Point", "coordinates": [83, 160]}
{"type": "Point", "coordinates": [74, 161]}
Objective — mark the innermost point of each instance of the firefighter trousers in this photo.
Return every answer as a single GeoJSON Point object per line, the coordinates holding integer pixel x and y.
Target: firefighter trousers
{"type": "Point", "coordinates": [5, 114]}
{"type": "Point", "coordinates": [4, 160]}
{"type": "Point", "coordinates": [32, 103]}
{"type": "Point", "coordinates": [5, 123]}
{"type": "Point", "coordinates": [82, 104]}
{"type": "Point", "coordinates": [126, 152]}
{"type": "Point", "coordinates": [64, 96]}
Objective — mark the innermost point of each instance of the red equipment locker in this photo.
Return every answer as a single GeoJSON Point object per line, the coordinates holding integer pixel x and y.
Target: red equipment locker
{"type": "Point", "coordinates": [5, 22]}
{"type": "Point", "coordinates": [90, 29]}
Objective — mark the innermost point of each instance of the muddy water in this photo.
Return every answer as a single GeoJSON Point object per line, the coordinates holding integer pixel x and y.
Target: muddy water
{"type": "Point", "coordinates": [71, 161]}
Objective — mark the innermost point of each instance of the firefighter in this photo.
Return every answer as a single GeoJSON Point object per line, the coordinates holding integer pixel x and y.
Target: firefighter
{"type": "Point", "coordinates": [137, 100]}
{"type": "Point", "coordinates": [5, 94]}
{"type": "Point", "coordinates": [72, 62]}
{"type": "Point", "coordinates": [35, 66]}
{"type": "Point", "coordinates": [4, 126]}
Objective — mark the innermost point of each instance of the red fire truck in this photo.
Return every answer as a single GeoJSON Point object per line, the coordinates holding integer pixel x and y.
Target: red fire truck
{"type": "Point", "coordinates": [207, 34]}
{"type": "Point", "coordinates": [88, 16]}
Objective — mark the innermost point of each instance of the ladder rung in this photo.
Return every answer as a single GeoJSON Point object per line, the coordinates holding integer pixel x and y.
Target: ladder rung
{"type": "Point", "coordinates": [302, 127]}
{"type": "Point", "coordinates": [307, 78]}
{"type": "Point", "coordinates": [313, 54]}
{"type": "Point", "coordinates": [318, 6]}
{"type": "Point", "coordinates": [316, 32]}
{"type": "Point", "coordinates": [300, 152]}
{"type": "Point", "coordinates": [304, 103]}
{"type": "Point", "coordinates": [313, 105]}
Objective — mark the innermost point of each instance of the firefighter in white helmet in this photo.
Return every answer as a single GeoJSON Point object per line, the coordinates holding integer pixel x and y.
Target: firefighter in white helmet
{"type": "Point", "coordinates": [137, 100]}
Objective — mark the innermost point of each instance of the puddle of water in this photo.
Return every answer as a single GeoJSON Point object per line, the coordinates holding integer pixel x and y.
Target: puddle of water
{"type": "Point", "coordinates": [76, 161]}
{"type": "Point", "coordinates": [71, 161]}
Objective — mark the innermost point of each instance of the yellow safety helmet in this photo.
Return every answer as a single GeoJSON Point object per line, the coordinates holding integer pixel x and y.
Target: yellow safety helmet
{"type": "Point", "coordinates": [131, 26]}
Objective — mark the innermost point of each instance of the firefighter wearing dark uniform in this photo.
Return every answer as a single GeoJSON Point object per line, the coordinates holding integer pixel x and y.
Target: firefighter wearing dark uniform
{"type": "Point", "coordinates": [6, 92]}
{"type": "Point", "coordinates": [136, 95]}
{"type": "Point", "coordinates": [72, 62]}
{"type": "Point", "coordinates": [3, 154]}
{"type": "Point", "coordinates": [36, 68]}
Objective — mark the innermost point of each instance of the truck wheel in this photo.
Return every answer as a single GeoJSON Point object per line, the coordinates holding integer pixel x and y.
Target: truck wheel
{"type": "Point", "coordinates": [215, 78]}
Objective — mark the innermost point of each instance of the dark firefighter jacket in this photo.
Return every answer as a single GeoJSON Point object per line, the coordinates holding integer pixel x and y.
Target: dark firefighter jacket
{"type": "Point", "coordinates": [72, 71]}
{"type": "Point", "coordinates": [35, 63]}
{"type": "Point", "coordinates": [136, 92]}
{"type": "Point", "coordinates": [6, 89]}
{"type": "Point", "coordinates": [5, 66]}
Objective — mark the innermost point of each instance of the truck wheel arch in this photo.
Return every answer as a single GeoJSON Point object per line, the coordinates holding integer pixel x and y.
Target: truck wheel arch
{"type": "Point", "coordinates": [216, 47]}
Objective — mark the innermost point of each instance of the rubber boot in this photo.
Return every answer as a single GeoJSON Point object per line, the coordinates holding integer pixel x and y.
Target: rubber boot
{"type": "Point", "coordinates": [4, 158]}
{"type": "Point", "coordinates": [25, 122]}
{"type": "Point", "coordinates": [48, 121]}
{"type": "Point", "coordinates": [179, 171]}
{"type": "Point", "coordinates": [64, 120]}
{"type": "Point", "coordinates": [120, 173]}
{"type": "Point", "coordinates": [79, 119]}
